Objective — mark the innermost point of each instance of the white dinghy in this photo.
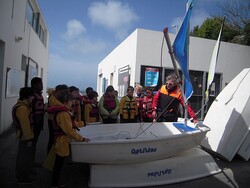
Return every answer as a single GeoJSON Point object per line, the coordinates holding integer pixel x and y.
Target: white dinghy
{"type": "Point", "coordinates": [188, 165]}
{"type": "Point", "coordinates": [135, 143]}
{"type": "Point", "coordinates": [229, 120]}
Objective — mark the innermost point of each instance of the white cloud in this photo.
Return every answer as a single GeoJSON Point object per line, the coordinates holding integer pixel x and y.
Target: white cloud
{"type": "Point", "coordinates": [70, 72]}
{"type": "Point", "coordinates": [74, 29]}
{"type": "Point", "coordinates": [86, 45]}
{"type": "Point", "coordinates": [77, 40]}
{"type": "Point", "coordinates": [113, 15]}
{"type": "Point", "coordinates": [198, 17]}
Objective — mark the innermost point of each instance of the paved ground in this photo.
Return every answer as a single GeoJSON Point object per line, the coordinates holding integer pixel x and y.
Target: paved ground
{"type": "Point", "coordinates": [75, 175]}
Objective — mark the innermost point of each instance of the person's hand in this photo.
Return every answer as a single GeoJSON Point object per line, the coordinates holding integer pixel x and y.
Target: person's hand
{"type": "Point", "coordinates": [154, 114]}
{"type": "Point", "coordinates": [86, 140]}
{"type": "Point", "coordinates": [195, 121]}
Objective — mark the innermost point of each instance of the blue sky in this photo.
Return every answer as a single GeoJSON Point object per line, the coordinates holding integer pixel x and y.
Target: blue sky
{"type": "Point", "coordinates": [84, 32]}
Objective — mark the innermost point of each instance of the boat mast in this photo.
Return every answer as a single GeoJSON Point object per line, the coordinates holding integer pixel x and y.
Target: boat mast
{"type": "Point", "coordinates": [171, 52]}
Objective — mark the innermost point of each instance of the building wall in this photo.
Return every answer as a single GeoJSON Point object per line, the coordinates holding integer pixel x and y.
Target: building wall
{"type": "Point", "coordinates": [123, 55]}
{"type": "Point", "coordinates": [232, 58]}
{"type": "Point", "coordinates": [14, 25]}
{"type": "Point", "coordinates": [148, 48]}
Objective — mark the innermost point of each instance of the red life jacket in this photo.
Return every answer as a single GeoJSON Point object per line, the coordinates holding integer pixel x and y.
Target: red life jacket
{"type": "Point", "coordinates": [109, 103]}
{"type": "Point", "coordinates": [75, 107]}
{"type": "Point", "coordinates": [38, 106]}
{"type": "Point", "coordinates": [147, 107]}
{"type": "Point", "coordinates": [57, 130]}
{"type": "Point", "coordinates": [95, 111]}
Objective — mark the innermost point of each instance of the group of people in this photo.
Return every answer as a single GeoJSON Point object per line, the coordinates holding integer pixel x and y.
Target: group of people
{"type": "Point", "coordinates": [28, 119]}
{"type": "Point", "coordinates": [68, 111]}
{"type": "Point", "coordinates": [142, 105]}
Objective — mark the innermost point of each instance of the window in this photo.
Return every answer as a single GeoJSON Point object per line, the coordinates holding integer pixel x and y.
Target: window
{"type": "Point", "coordinates": [29, 13]}
{"type": "Point", "coordinates": [32, 71]}
{"type": "Point", "coordinates": [24, 63]}
{"type": "Point", "coordinates": [123, 80]}
{"type": "Point", "coordinates": [36, 22]}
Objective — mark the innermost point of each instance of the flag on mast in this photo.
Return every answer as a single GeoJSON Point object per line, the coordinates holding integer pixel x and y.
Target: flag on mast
{"type": "Point", "coordinates": [213, 63]}
{"type": "Point", "coordinates": [180, 47]}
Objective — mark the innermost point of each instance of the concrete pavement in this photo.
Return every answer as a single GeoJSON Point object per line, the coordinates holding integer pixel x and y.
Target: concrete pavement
{"type": "Point", "coordinates": [75, 175]}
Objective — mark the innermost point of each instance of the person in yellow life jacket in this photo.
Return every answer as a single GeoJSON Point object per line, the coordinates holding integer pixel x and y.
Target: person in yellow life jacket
{"type": "Point", "coordinates": [109, 106]}
{"type": "Point", "coordinates": [76, 108]}
{"type": "Point", "coordinates": [169, 98]}
{"type": "Point", "coordinates": [147, 103]}
{"type": "Point", "coordinates": [91, 111]}
{"type": "Point", "coordinates": [21, 120]}
{"type": "Point", "coordinates": [64, 130]}
{"type": "Point", "coordinates": [128, 107]}
{"type": "Point", "coordinates": [52, 101]}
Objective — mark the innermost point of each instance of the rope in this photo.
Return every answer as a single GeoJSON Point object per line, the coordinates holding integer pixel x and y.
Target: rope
{"type": "Point", "coordinates": [162, 113]}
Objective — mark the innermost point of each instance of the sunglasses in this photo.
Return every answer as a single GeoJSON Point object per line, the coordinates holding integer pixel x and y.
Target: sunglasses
{"type": "Point", "coordinates": [171, 84]}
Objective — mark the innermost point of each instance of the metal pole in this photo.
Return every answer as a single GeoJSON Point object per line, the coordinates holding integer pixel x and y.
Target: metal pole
{"type": "Point", "coordinates": [171, 52]}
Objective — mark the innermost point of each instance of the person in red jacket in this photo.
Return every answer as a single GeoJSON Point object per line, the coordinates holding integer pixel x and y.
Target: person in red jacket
{"type": "Point", "coordinates": [167, 102]}
{"type": "Point", "coordinates": [147, 103]}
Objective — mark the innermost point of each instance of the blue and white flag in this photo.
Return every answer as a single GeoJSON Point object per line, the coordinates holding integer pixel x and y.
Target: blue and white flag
{"type": "Point", "coordinates": [180, 47]}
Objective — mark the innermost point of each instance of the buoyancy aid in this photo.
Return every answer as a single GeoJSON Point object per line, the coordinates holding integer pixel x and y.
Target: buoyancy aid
{"type": "Point", "coordinates": [75, 107]}
{"type": "Point", "coordinates": [16, 122]}
{"type": "Point", "coordinates": [95, 110]}
{"type": "Point", "coordinates": [109, 103]}
{"type": "Point", "coordinates": [38, 106]}
{"type": "Point", "coordinates": [139, 101]}
{"type": "Point", "coordinates": [129, 108]}
{"type": "Point", "coordinates": [57, 130]}
{"type": "Point", "coordinates": [147, 107]}
{"type": "Point", "coordinates": [169, 99]}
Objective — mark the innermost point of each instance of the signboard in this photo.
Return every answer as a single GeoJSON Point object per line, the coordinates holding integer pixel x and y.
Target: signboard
{"type": "Point", "coordinates": [151, 77]}
{"type": "Point", "coordinates": [15, 80]}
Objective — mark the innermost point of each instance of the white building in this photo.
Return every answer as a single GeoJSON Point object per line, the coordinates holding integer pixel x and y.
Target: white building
{"type": "Point", "coordinates": [24, 40]}
{"type": "Point", "coordinates": [132, 61]}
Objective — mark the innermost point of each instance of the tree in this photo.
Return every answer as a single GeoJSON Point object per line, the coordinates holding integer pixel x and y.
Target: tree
{"type": "Point", "coordinates": [237, 12]}
{"type": "Point", "coordinates": [236, 27]}
{"type": "Point", "coordinates": [211, 27]}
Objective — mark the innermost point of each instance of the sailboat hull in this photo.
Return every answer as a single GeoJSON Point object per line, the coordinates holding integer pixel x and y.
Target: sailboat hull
{"type": "Point", "coordinates": [135, 143]}
{"type": "Point", "coordinates": [188, 165]}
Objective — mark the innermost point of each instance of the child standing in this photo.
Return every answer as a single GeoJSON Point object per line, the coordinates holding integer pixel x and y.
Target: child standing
{"type": "Point", "coordinates": [128, 107]}
{"type": "Point", "coordinates": [91, 111]}
{"type": "Point", "coordinates": [63, 126]}
{"type": "Point", "coordinates": [21, 120]}
{"type": "Point", "coordinates": [147, 106]}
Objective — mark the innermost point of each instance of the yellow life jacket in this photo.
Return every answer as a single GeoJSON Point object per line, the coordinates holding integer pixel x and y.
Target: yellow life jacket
{"type": "Point", "coordinates": [129, 110]}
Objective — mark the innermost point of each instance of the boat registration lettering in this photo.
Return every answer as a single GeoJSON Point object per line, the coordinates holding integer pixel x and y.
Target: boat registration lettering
{"type": "Point", "coordinates": [143, 150]}
{"type": "Point", "coordinates": [160, 173]}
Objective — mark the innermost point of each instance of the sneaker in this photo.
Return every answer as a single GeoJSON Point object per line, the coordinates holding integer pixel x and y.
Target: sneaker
{"type": "Point", "coordinates": [28, 180]}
